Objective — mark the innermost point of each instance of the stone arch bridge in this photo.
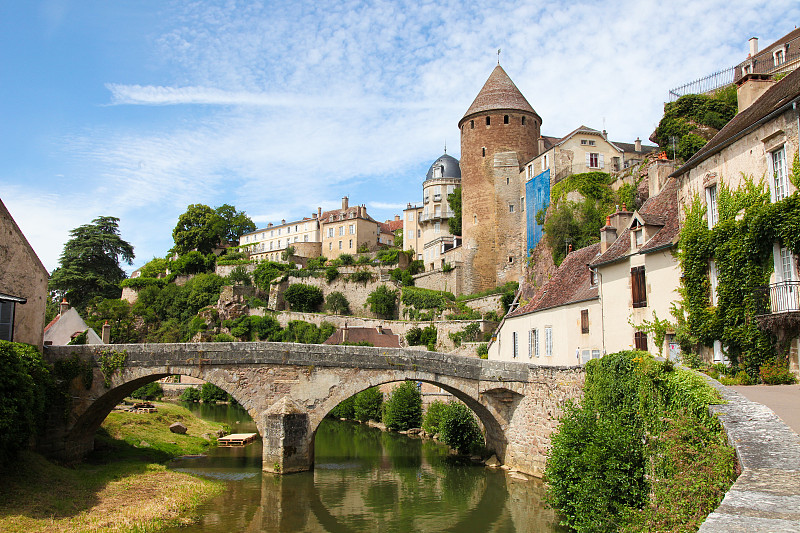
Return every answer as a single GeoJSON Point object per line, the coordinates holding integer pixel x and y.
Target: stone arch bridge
{"type": "Point", "coordinates": [289, 388]}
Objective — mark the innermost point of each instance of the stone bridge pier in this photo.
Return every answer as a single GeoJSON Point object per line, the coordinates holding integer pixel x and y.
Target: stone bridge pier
{"type": "Point", "coordinates": [288, 389]}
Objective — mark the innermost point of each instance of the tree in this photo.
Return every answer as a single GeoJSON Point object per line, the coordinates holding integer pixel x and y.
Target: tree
{"type": "Point", "coordinates": [368, 405]}
{"type": "Point", "coordinates": [337, 303]}
{"type": "Point", "coordinates": [383, 302]}
{"type": "Point", "coordinates": [303, 298]}
{"type": "Point", "coordinates": [403, 409]}
{"type": "Point", "coordinates": [203, 229]}
{"type": "Point", "coordinates": [90, 263]}
{"type": "Point", "coordinates": [454, 201]}
{"type": "Point", "coordinates": [458, 428]}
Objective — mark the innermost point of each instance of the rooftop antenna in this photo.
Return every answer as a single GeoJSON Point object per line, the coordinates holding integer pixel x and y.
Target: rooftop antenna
{"type": "Point", "coordinates": [498, 56]}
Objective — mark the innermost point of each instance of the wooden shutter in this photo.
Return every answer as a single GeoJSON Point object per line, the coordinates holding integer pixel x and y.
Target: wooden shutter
{"type": "Point", "coordinates": [584, 321]}
{"type": "Point", "coordinates": [638, 288]}
{"type": "Point", "coordinates": [640, 340]}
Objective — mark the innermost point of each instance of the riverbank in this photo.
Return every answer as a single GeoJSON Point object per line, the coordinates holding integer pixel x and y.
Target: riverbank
{"type": "Point", "coordinates": [122, 487]}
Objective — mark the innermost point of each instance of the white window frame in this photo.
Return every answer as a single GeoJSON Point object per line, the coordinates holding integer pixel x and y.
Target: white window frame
{"type": "Point", "coordinates": [548, 341]}
{"type": "Point", "coordinates": [515, 344]}
{"type": "Point", "coordinates": [712, 209]}
{"type": "Point", "coordinates": [535, 335]}
{"type": "Point", "coordinates": [779, 182]}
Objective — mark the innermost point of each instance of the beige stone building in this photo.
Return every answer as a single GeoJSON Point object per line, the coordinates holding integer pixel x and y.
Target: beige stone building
{"type": "Point", "coordinates": [346, 230]}
{"type": "Point", "coordinates": [779, 57]}
{"type": "Point", "coordinates": [23, 285]}
{"type": "Point", "coordinates": [269, 244]}
{"type": "Point", "coordinates": [760, 142]}
{"type": "Point", "coordinates": [426, 228]}
{"type": "Point", "coordinates": [67, 325]}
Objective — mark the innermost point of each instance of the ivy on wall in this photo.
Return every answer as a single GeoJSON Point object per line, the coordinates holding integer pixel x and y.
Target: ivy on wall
{"type": "Point", "coordinates": [741, 246]}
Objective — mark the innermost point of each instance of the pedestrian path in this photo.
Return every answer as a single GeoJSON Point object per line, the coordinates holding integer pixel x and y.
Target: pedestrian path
{"type": "Point", "coordinates": [783, 399]}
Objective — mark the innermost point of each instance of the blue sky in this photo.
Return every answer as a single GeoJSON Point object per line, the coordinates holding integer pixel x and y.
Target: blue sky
{"type": "Point", "coordinates": [136, 109]}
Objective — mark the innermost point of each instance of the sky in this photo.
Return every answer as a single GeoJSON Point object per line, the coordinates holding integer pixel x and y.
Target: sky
{"type": "Point", "coordinates": [136, 109]}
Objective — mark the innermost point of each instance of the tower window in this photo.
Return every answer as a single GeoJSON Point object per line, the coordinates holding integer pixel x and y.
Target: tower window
{"type": "Point", "coordinates": [505, 119]}
{"type": "Point", "coordinates": [474, 219]}
{"type": "Point", "coordinates": [510, 208]}
{"type": "Point", "coordinates": [510, 259]}
{"type": "Point", "coordinates": [483, 151]}
{"type": "Point", "coordinates": [472, 124]}
{"type": "Point", "coordinates": [488, 121]}
{"type": "Point", "coordinates": [523, 121]}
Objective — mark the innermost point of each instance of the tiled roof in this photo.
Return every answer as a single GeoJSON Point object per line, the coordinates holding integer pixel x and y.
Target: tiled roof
{"type": "Point", "coordinates": [631, 147]}
{"type": "Point", "coordinates": [767, 51]}
{"type": "Point", "coordinates": [659, 210]}
{"type": "Point", "coordinates": [779, 95]}
{"type": "Point", "coordinates": [387, 339]}
{"type": "Point", "coordinates": [394, 225]}
{"type": "Point", "coordinates": [337, 213]}
{"type": "Point", "coordinates": [499, 92]}
{"type": "Point", "coordinates": [571, 283]}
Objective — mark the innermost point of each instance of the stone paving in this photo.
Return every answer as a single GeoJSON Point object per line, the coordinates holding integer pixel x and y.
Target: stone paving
{"type": "Point", "coordinates": [766, 496]}
{"type": "Point", "coordinates": [784, 400]}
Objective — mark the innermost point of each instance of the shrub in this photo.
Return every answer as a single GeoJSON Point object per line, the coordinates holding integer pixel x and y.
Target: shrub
{"type": "Point", "coordinates": [316, 263]}
{"type": "Point", "coordinates": [776, 373]}
{"type": "Point", "coordinates": [433, 417]}
{"type": "Point", "coordinates": [345, 409]}
{"type": "Point", "coordinates": [302, 297]}
{"type": "Point", "coordinates": [383, 302]}
{"type": "Point", "coordinates": [413, 336]}
{"type": "Point", "coordinates": [24, 381]}
{"type": "Point", "coordinates": [151, 391]}
{"type": "Point", "coordinates": [483, 351]}
{"type": "Point", "coordinates": [368, 405]}
{"type": "Point", "coordinates": [403, 409]}
{"type": "Point", "coordinates": [337, 303]}
{"type": "Point", "coordinates": [346, 259]}
{"type": "Point", "coordinates": [210, 393]}
{"type": "Point", "coordinates": [266, 272]}
{"type": "Point", "coordinates": [190, 395]}
{"type": "Point", "coordinates": [193, 263]}
{"type": "Point", "coordinates": [360, 276]}
{"type": "Point", "coordinates": [223, 337]}
{"type": "Point", "coordinates": [459, 429]}
{"type": "Point", "coordinates": [240, 276]}
{"type": "Point", "coordinates": [428, 337]}
{"type": "Point", "coordinates": [447, 267]}
{"type": "Point", "coordinates": [331, 273]}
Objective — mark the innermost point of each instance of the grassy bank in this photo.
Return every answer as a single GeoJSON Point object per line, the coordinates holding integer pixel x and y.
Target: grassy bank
{"type": "Point", "coordinates": [121, 487]}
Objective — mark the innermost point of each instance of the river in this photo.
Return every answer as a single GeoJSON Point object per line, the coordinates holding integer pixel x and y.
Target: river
{"type": "Point", "coordinates": [364, 479]}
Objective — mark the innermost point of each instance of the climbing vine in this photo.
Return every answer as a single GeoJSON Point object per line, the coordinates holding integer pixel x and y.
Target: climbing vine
{"type": "Point", "coordinates": [740, 244]}
{"type": "Point", "coordinates": [111, 361]}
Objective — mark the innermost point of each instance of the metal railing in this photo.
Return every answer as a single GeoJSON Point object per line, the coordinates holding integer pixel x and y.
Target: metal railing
{"type": "Point", "coordinates": [433, 216]}
{"type": "Point", "coordinates": [705, 84]}
{"type": "Point", "coordinates": [782, 297]}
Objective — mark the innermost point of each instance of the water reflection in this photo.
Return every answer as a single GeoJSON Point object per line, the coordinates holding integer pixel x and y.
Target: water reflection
{"type": "Point", "coordinates": [364, 480]}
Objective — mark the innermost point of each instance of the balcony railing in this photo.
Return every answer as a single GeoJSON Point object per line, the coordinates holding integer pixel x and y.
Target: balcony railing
{"type": "Point", "coordinates": [783, 297]}
{"type": "Point", "coordinates": [435, 216]}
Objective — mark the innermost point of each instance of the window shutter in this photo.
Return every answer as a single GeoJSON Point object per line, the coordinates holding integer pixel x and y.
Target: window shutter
{"type": "Point", "coordinates": [588, 160]}
{"type": "Point", "coordinates": [638, 288]}
{"type": "Point", "coordinates": [601, 160]}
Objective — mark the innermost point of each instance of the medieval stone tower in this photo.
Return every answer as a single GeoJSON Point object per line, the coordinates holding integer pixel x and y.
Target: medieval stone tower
{"type": "Point", "coordinates": [499, 134]}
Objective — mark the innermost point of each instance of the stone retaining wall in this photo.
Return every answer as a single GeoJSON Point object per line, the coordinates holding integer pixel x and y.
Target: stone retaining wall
{"type": "Point", "coordinates": [766, 495]}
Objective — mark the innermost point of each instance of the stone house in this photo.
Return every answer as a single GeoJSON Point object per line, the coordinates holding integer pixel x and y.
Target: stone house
{"type": "Point", "coordinates": [760, 142]}
{"type": "Point", "coordinates": [67, 325]}
{"type": "Point", "coordinates": [347, 229]}
{"type": "Point", "coordinates": [268, 244]}
{"type": "Point", "coordinates": [23, 285]}
{"type": "Point", "coordinates": [781, 56]}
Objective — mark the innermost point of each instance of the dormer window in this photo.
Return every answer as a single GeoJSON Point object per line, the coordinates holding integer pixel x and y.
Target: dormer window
{"type": "Point", "coordinates": [638, 236]}
{"type": "Point", "coordinates": [780, 58]}
{"type": "Point", "coordinates": [437, 172]}
{"type": "Point", "coordinates": [592, 277]}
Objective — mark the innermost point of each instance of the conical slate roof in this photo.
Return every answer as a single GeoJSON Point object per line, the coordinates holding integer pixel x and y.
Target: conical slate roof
{"type": "Point", "coordinates": [499, 92]}
{"type": "Point", "coordinates": [450, 167]}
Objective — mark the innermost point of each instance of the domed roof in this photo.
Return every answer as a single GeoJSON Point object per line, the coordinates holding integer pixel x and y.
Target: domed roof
{"type": "Point", "coordinates": [499, 92]}
{"type": "Point", "coordinates": [449, 166]}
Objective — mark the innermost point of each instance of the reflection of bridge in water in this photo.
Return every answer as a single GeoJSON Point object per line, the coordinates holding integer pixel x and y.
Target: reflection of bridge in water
{"type": "Point", "coordinates": [289, 388]}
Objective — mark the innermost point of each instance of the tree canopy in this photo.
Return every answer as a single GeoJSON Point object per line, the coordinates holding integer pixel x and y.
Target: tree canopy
{"type": "Point", "coordinates": [454, 201]}
{"type": "Point", "coordinates": [90, 263]}
{"type": "Point", "coordinates": [202, 228]}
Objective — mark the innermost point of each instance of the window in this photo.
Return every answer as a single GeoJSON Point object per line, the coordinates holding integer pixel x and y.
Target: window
{"type": "Point", "coordinates": [341, 231]}
{"type": "Point", "coordinates": [330, 232]}
{"type": "Point", "coordinates": [548, 341]}
{"type": "Point", "coordinates": [351, 243]}
{"type": "Point", "coordinates": [488, 121]}
{"type": "Point", "coordinates": [472, 124]}
{"type": "Point", "coordinates": [279, 231]}
{"type": "Point", "coordinates": [305, 238]}
{"type": "Point", "coordinates": [530, 171]}
{"type": "Point", "coordinates": [272, 233]}
{"type": "Point", "coordinates": [474, 219]}
{"type": "Point", "coordinates": [594, 160]}
{"type": "Point", "coordinates": [712, 215]}
{"type": "Point", "coordinates": [522, 202]}
{"type": "Point", "coordinates": [638, 235]}
{"type": "Point", "coordinates": [523, 121]}
{"type": "Point", "coordinates": [330, 246]}
{"type": "Point", "coordinates": [437, 172]}
{"type": "Point", "coordinates": [638, 288]}
{"type": "Point", "coordinates": [592, 277]}
{"type": "Point", "coordinates": [340, 245]}
{"type": "Point", "coordinates": [779, 187]}
{"type": "Point", "coordinates": [535, 342]}
{"type": "Point", "coordinates": [640, 340]}
{"type": "Point", "coordinates": [508, 181]}
{"type": "Point", "coordinates": [510, 208]}
{"type": "Point", "coordinates": [514, 336]}
{"type": "Point", "coordinates": [544, 162]}
{"type": "Point", "coordinates": [786, 265]}
{"type": "Point", "coordinates": [270, 244]}
{"type": "Point", "coordinates": [411, 217]}
{"type": "Point", "coordinates": [712, 277]}
{"type": "Point", "coordinates": [352, 229]}
{"type": "Point", "coordinates": [483, 152]}
{"type": "Point", "coordinates": [419, 233]}
{"type": "Point", "coordinates": [6, 320]}
{"type": "Point", "coordinates": [505, 119]}
{"type": "Point", "coordinates": [437, 227]}
{"type": "Point", "coordinates": [510, 259]}
{"type": "Point", "coordinates": [595, 354]}
{"type": "Point", "coordinates": [587, 142]}
{"type": "Point", "coordinates": [779, 57]}
{"type": "Point", "coordinates": [584, 321]}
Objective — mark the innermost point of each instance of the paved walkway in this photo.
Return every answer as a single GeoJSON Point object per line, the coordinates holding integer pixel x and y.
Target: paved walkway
{"type": "Point", "coordinates": [783, 399]}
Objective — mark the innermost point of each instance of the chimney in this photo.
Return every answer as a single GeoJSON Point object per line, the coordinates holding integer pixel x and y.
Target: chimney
{"type": "Point", "coordinates": [106, 335]}
{"type": "Point", "coordinates": [344, 202]}
{"type": "Point", "coordinates": [541, 145]}
{"type": "Point", "coordinates": [753, 46]}
{"type": "Point", "coordinates": [570, 249]}
{"type": "Point", "coordinates": [637, 145]}
{"type": "Point", "coordinates": [608, 234]}
{"type": "Point", "coordinates": [319, 212]}
{"type": "Point", "coordinates": [344, 333]}
{"type": "Point", "coordinates": [63, 307]}
{"type": "Point", "coordinates": [313, 215]}
{"type": "Point", "coordinates": [397, 218]}
{"type": "Point", "coordinates": [283, 221]}
{"type": "Point", "coordinates": [750, 87]}
{"type": "Point", "coordinates": [379, 328]}
{"type": "Point", "coordinates": [269, 225]}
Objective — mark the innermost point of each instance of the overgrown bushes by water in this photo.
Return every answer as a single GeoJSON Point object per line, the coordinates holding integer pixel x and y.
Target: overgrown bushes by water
{"type": "Point", "coordinates": [640, 452]}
